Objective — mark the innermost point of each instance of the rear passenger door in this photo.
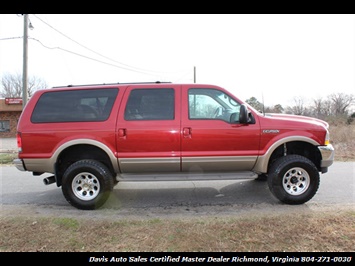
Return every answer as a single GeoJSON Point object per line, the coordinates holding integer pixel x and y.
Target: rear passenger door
{"type": "Point", "coordinates": [148, 129]}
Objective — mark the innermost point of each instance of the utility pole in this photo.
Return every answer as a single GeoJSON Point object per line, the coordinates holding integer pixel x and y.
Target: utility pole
{"type": "Point", "coordinates": [194, 74]}
{"type": "Point", "coordinates": [25, 59]}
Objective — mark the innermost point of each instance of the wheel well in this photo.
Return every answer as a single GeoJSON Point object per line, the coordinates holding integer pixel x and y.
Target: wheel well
{"type": "Point", "coordinates": [297, 147]}
{"type": "Point", "coordinates": [79, 152]}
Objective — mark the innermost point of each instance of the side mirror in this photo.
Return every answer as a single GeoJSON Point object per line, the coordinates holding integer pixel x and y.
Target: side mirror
{"type": "Point", "coordinates": [234, 118]}
{"type": "Point", "coordinates": [243, 115]}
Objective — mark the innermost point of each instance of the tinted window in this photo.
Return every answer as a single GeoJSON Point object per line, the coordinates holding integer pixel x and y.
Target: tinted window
{"type": "Point", "coordinates": [74, 106]}
{"type": "Point", "coordinates": [150, 104]}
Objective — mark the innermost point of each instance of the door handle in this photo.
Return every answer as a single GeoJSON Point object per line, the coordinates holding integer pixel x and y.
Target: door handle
{"type": "Point", "coordinates": [122, 132]}
{"type": "Point", "coordinates": [187, 132]}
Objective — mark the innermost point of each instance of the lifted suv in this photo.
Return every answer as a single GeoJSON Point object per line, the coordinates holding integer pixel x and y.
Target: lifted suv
{"type": "Point", "coordinates": [92, 137]}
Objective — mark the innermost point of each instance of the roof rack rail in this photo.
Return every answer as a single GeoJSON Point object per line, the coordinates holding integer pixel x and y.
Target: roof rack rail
{"type": "Point", "coordinates": [118, 83]}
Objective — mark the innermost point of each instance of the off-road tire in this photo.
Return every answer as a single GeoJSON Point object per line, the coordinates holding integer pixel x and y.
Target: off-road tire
{"type": "Point", "coordinates": [87, 184]}
{"type": "Point", "coordinates": [293, 179]}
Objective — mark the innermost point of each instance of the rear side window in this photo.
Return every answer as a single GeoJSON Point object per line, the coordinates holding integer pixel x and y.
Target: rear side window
{"type": "Point", "coordinates": [74, 106]}
{"type": "Point", "coordinates": [150, 104]}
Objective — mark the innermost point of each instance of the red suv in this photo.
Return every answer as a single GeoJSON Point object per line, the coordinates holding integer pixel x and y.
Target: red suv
{"type": "Point", "coordinates": [92, 137]}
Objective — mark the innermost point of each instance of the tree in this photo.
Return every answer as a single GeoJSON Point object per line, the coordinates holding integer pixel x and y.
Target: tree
{"type": "Point", "coordinates": [11, 85]}
{"type": "Point", "coordinates": [299, 107]}
{"type": "Point", "coordinates": [351, 118]}
{"type": "Point", "coordinates": [276, 109]}
{"type": "Point", "coordinates": [321, 108]}
{"type": "Point", "coordinates": [255, 103]}
{"type": "Point", "coordinates": [341, 102]}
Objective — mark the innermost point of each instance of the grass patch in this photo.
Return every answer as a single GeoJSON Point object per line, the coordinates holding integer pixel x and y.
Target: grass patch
{"type": "Point", "coordinates": [7, 158]}
{"type": "Point", "coordinates": [311, 232]}
{"type": "Point", "coordinates": [66, 223]}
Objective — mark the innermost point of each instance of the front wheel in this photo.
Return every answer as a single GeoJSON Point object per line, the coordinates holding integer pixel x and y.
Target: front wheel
{"type": "Point", "coordinates": [87, 184]}
{"type": "Point", "coordinates": [293, 179]}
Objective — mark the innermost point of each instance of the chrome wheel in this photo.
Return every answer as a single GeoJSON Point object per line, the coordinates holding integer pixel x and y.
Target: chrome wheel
{"type": "Point", "coordinates": [296, 181]}
{"type": "Point", "coordinates": [293, 179]}
{"type": "Point", "coordinates": [86, 186]}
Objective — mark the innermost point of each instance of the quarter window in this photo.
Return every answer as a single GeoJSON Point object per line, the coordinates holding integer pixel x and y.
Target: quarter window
{"type": "Point", "coordinates": [74, 106]}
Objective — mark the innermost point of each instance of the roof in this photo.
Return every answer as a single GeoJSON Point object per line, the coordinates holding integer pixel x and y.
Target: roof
{"type": "Point", "coordinates": [105, 84]}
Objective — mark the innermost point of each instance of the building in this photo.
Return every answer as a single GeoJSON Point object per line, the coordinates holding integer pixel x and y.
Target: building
{"type": "Point", "coordinates": [10, 111]}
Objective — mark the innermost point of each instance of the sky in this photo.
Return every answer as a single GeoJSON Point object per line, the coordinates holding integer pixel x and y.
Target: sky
{"type": "Point", "coordinates": [273, 57]}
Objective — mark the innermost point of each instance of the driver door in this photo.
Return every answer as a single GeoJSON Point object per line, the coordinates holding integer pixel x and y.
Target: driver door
{"type": "Point", "coordinates": [210, 142]}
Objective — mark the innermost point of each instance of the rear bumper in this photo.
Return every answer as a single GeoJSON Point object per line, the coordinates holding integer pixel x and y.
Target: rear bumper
{"type": "Point", "coordinates": [19, 164]}
{"type": "Point", "coordinates": [327, 153]}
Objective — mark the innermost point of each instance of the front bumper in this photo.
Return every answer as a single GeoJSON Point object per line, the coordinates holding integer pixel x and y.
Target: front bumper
{"type": "Point", "coordinates": [327, 153]}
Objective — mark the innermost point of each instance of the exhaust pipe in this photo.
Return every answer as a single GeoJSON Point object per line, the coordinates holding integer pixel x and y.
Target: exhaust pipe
{"type": "Point", "coordinates": [49, 180]}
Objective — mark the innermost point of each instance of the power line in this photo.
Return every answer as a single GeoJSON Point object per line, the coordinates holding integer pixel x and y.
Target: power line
{"type": "Point", "coordinates": [125, 66]}
{"type": "Point", "coordinates": [10, 38]}
{"type": "Point", "coordinates": [87, 57]}
{"type": "Point", "coordinates": [137, 69]}
{"type": "Point", "coordinates": [84, 56]}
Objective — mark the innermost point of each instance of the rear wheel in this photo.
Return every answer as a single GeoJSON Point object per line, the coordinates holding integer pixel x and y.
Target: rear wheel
{"type": "Point", "coordinates": [293, 179]}
{"type": "Point", "coordinates": [87, 184]}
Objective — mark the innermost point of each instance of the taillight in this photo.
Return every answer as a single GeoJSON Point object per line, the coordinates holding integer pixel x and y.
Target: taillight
{"type": "Point", "coordinates": [327, 139]}
{"type": "Point", "coordinates": [19, 141]}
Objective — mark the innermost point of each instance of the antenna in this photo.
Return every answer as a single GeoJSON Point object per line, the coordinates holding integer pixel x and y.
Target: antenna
{"type": "Point", "coordinates": [262, 99]}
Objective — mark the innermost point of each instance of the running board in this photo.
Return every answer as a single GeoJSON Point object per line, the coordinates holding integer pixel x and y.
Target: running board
{"type": "Point", "coordinates": [185, 176]}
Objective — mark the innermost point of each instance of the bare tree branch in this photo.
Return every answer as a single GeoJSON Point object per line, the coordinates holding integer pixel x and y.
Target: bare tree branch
{"type": "Point", "coordinates": [341, 102]}
{"type": "Point", "coordinates": [11, 85]}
